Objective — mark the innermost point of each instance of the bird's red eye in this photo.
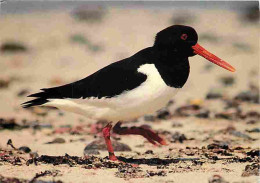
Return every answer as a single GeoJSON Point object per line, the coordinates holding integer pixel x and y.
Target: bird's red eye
{"type": "Point", "coordinates": [184, 36]}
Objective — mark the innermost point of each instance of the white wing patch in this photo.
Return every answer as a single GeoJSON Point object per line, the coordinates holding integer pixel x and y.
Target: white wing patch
{"type": "Point", "coordinates": [150, 96]}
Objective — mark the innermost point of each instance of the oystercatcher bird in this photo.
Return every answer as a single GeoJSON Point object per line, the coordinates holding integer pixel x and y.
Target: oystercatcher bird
{"type": "Point", "coordinates": [132, 87]}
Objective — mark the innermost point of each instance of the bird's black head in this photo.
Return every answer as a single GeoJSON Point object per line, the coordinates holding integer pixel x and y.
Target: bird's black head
{"type": "Point", "coordinates": [180, 42]}
{"type": "Point", "coordinates": [177, 39]}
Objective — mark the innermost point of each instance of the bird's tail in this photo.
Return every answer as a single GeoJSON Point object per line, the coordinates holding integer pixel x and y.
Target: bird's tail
{"type": "Point", "coordinates": [41, 98]}
{"type": "Point", "coordinates": [34, 102]}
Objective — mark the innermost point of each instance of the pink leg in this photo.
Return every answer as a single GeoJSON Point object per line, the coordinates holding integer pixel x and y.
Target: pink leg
{"type": "Point", "coordinates": [106, 134]}
{"type": "Point", "coordinates": [150, 135]}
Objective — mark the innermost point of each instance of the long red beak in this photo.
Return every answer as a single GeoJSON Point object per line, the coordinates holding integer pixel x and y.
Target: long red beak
{"type": "Point", "coordinates": [212, 58]}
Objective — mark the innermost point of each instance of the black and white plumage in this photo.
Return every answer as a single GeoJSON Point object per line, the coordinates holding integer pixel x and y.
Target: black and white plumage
{"type": "Point", "coordinates": [132, 87]}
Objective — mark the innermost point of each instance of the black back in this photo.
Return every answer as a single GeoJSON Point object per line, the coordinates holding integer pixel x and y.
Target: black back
{"type": "Point", "coordinates": [108, 82]}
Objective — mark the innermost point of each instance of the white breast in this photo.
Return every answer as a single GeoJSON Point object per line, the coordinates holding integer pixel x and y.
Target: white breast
{"type": "Point", "coordinates": [149, 97]}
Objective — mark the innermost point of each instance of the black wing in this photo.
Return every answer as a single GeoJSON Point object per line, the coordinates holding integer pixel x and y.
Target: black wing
{"type": "Point", "coordinates": [109, 81]}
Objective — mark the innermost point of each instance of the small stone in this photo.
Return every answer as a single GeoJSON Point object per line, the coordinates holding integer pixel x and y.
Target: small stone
{"type": "Point", "coordinates": [12, 47]}
{"type": "Point", "coordinates": [170, 103]}
{"type": "Point", "coordinates": [232, 104]}
{"type": "Point", "coordinates": [203, 114]}
{"type": "Point", "coordinates": [241, 46]}
{"type": "Point", "coordinates": [253, 114]}
{"type": "Point", "coordinates": [207, 67]}
{"type": "Point", "coordinates": [250, 170]}
{"type": "Point", "coordinates": [248, 96]}
{"type": "Point", "coordinates": [217, 179]}
{"type": "Point", "coordinates": [4, 83]}
{"type": "Point", "coordinates": [37, 125]}
{"type": "Point", "coordinates": [228, 114]}
{"type": "Point", "coordinates": [25, 149]}
{"type": "Point", "coordinates": [251, 122]}
{"type": "Point", "coordinates": [215, 93]}
{"type": "Point", "coordinates": [217, 146]}
{"type": "Point", "coordinates": [60, 113]}
{"type": "Point", "coordinates": [9, 124]}
{"type": "Point", "coordinates": [153, 173]}
{"type": "Point", "coordinates": [57, 141]}
{"type": "Point", "coordinates": [89, 13]}
{"type": "Point", "coordinates": [177, 125]}
{"type": "Point", "coordinates": [163, 114]}
{"type": "Point", "coordinates": [187, 110]}
{"type": "Point", "coordinates": [149, 118]}
{"type": "Point", "coordinates": [149, 152]}
{"type": "Point", "coordinates": [238, 148]}
{"type": "Point", "coordinates": [240, 134]}
{"type": "Point", "coordinates": [91, 152]}
{"type": "Point", "coordinates": [227, 80]}
{"type": "Point", "coordinates": [40, 111]}
{"type": "Point", "coordinates": [254, 130]}
{"type": "Point", "coordinates": [197, 102]}
{"type": "Point", "coordinates": [209, 37]}
{"type": "Point", "coordinates": [22, 93]}
{"type": "Point", "coordinates": [178, 137]}
{"type": "Point", "coordinates": [253, 153]}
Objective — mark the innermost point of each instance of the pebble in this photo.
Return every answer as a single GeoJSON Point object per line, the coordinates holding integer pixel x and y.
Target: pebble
{"type": "Point", "coordinates": [57, 141]}
{"type": "Point", "coordinates": [39, 111]}
{"type": "Point", "coordinates": [90, 13]}
{"type": "Point", "coordinates": [4, 83]}
{"type": "Point", "coordinates": [22, 92]}
{"type": "Point", "coordinates": [214, 93]}
{"type": "Point", "coordinates": [177, 125]}
{"type": "Point", "coordinates": [178, 137]}
{"type": "Point", "coordinates": [254, 130]}
{"type": "Point", "coordinates": [25, 149]}
{"type": "Point", "coordinates": [149, 118]}
{"type": "Point", "coordinates": [91, 152]}
{"type": "Point", "coordinates": [9, 124]}
{"type": "Point", "coordinates": [251, 122]}
{"type": "Point", "coordinates": [12, 47]}
{"type": "Point", "coordinates": [250, 170]}
{"type": "Point", "coordinates": [248, 96]}
{"type": "Point", "coordinates": [209, 37]}
{"type": "Point", "coordinates": [217, 146]}
{"type": "Point", "coordinates": [187, 110]}
{"type": "Point", "coordinates": [163, 114]}
{"type": "Point", "coordinates": [217, 179]}
{"type": "Point", "coordinates": [227, 80]}
{"type": "Point", "coordinates": [149, 152]}
{"type": "Point", "coordinates": [228, 114]}
{"type": "Point", "coordinates": [253, 153]}
{"type": "Point", "coordinates": [203, 114]}
{"type": "Point", "coordinates": [240, 134]}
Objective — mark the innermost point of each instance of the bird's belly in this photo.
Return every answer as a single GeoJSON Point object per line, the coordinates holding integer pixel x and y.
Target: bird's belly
{"type": "Point", "coordinates": [128, 106]}
{"type": "Point", "coordinates": [134, 107]}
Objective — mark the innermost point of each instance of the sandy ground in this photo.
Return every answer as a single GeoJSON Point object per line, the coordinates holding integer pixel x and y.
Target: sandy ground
{"type": "Point", "coordinates": [54, 57]}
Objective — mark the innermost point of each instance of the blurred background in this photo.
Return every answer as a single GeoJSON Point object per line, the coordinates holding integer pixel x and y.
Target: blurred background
{"type": "Point", "coordinates": [50, 43]}
{"type": "Point", "coordinates": [44, 44]}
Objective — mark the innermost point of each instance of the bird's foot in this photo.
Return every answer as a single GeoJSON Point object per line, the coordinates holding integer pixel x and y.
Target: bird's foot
{"type": "Point", "coordinates": [112, 157]}
{"type": "Point", "coordinates": [147, 133]}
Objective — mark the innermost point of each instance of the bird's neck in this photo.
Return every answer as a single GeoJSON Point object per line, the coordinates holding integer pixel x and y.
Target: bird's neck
{"type": "Point", "coordinates": [174, 69]}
